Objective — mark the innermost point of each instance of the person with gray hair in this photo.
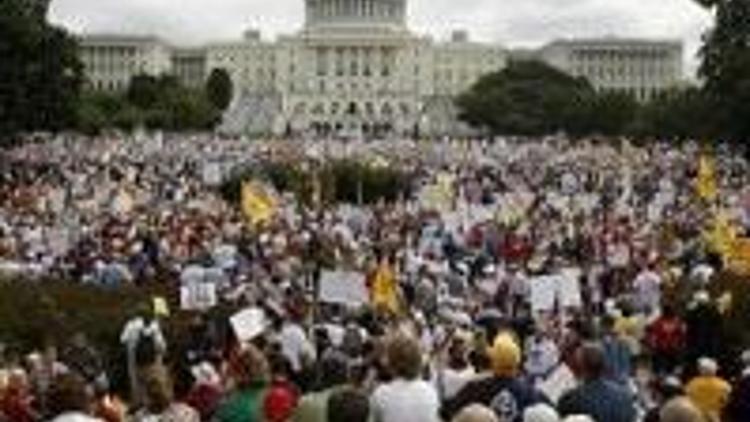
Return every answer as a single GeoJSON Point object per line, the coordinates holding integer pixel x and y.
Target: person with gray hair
{"type": "Point", "coordinates": [709, 392]}
{"type": "Point", "coordinates": [476, 413]}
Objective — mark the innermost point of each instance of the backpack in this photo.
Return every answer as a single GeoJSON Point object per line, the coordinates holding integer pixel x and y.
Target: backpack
{"type": "Point", "coordinates": [145, 349]}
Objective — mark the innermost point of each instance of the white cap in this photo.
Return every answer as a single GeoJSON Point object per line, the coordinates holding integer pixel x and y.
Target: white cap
{"type": "Point", "coordinates": [707, 366]}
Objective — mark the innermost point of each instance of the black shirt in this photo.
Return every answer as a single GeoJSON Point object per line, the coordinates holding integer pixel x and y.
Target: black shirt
{"type": "Point", "coordinates": [507, 397]}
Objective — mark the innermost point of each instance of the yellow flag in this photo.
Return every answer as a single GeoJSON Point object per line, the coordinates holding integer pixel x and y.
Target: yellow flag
{"type": "Point", "coordinates": [706, 186]}
{"type": "Point", "coordinates": [721, 239]}
{"type": "Point", "coordinates": [384, 291]}
{"type": "Point", "coordinates": [161, 308]}
{"type": "Point", "coordinates": [740, 256]}
{"type": "Point", "coordinates": [257, 205]}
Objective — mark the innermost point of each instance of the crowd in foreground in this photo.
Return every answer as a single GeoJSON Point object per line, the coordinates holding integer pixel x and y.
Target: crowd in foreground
{"type": "Point", "coordinates": [520, 280]}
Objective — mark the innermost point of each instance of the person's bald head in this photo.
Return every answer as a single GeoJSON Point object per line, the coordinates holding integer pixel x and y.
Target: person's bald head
{"type": "Point", "coordinates": [476, 413]}
{"type": "Point", "coordinates": [680, 409]}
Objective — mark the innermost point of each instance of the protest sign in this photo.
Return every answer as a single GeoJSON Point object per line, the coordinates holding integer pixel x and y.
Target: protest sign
{"type": "Point", "coordinates": [212, 174]}
{"type": "Point", "coordinates": [343, 287]}
{"type": "Point", "coordinates": [198, 296]}
{"type": "Point", "coordinates": [562, 289]}
{"type": "Point", "coordinates": [249, 324]}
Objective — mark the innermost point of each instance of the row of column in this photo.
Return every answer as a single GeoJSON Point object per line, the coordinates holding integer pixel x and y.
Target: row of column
{"type": "Point", "coordinates": [354, 8]}
{"type": "Point", "coordinates": [355, 61]}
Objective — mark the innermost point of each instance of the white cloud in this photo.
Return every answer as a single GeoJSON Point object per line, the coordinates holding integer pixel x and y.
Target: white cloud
{"type": "Point", "coordinates": [511, 22]}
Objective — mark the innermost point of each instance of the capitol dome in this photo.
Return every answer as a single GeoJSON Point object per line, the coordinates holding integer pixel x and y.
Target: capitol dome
{"type": "Point", "coordinates": [355, 13]}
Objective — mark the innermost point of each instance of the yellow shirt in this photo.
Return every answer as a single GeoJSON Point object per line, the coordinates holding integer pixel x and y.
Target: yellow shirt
{"type": "Point", "coordinates": [710, 394]}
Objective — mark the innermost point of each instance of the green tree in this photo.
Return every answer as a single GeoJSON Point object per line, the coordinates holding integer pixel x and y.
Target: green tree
{"type": "Point", "coordinates": [219, 89]}
{"type": "Point", "coordinates": [144, 91]}
{"type": "Point", "coordinates": [526, 98]}
{"type": "Point", "coordinates": [610, 113]}
{"type": "Point", "coordinates": [726, 67]}
{"type": "Point", "coordinates": [40, 73]}
{"type": "Point", "coordinates": [187, 109]}
{"type": "Point", "coordinates": [677, 114]}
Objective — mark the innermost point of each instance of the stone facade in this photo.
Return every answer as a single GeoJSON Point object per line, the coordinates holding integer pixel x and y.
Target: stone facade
{"type": "Point", "coordinates": [640, 68]}
{"type": "Point", "coordinates": [110, 61]}
{"type": "Point", "coordinates": [355, 68]}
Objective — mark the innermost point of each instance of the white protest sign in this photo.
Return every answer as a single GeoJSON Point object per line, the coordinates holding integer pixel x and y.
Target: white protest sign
{"type": "Point", "coordinates": [563, 290]}
{"type": "Point", "coordinates": [212, 174]}
{"type": "Point", "coordinates": [122, 203]}
{"type": "Point", "coordinates": [249, 324]}
{"type": "Point", "coordinates": [198, 296]}
{"type": "Point", "coordinates": [543, 294]}
{"type": "Point", "coordinates": [569, 288]}
{"type": "Point", "coordinates": [342, 287]}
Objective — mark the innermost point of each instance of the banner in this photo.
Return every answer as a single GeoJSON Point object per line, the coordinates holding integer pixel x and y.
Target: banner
{"type": "Point", "coordinates": [384, 290]}
{"type": "Point", "coordinates": [722, 236]}
{"type": "Point", "coordinates": [257, 204]}
{"type": "Point", "coordinates": [343, 287]}
{"type": "Point", "coordinates": [706, 186]}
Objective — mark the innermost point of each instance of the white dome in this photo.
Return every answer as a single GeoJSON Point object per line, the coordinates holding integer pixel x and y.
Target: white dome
{"type": "Point", "coordinates": [355, 12]}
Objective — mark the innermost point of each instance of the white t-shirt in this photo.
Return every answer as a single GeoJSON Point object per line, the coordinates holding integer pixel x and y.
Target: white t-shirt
{"type": "Point", "coordinates": [405, 401]}
{"type": "Point", "coordinates": [137, 326]}
{"type": "Point", "coordinates": [295, 345]}
{"type": "Point", "coordinates": [647, 288]}
{"type": "Point", "coordinates": [453, 381]}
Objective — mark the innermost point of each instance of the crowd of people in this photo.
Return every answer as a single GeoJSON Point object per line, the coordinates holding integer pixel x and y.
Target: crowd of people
{"type": "Point", "coordinates": [517, 280]}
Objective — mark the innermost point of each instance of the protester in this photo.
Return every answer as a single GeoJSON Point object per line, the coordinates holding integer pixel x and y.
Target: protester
{"type": "Point", "coordinates": [160, 404]}
{"type": "Point", "coordinates": [476, 413]}
{"type": "Point", "coordinates": [598, 397]}
{"type": "Point", "coordinates": [681, 409]}
{"type": "Point", "coordinates": [708, 391]}
{"type": "Point", "coordinates": [666, 339]}
{"type": "Point", "coordinates": [69, 401]}
{"type": "Point", "coordinates": [349, 405]}
{"type": "Point", "coordinates": [504, 392]}
{"type": "Point", "coordinates": [144, 345]}
{"type": "Point", "coordinates": [333, 375]}
{"type": "Point", "coordinates": [738, 408]}
{"type": "Point", "coordinates": [407, 393]}
{"type": "Point", "coordinates": [250, 376]}
{"type": "Point", "coordinates": [405, 303]}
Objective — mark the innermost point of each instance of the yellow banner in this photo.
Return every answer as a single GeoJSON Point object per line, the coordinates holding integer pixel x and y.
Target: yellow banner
{"type": "Point", "coordinates": [384, 290]}
{"type": "Point", "coordinates": [706, 185]}
{"type": "Point", "coordinates": [257, 204]}
{"type": "Point", "coordinates": [721, 238]}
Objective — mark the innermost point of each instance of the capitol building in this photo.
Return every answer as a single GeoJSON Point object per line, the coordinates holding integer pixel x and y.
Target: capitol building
{"type": "Point", "coordinates": [355, 68]}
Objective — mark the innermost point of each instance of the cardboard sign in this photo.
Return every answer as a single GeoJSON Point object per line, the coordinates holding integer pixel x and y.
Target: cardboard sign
{"type": "Point", "coordinates": [344, 288]}
{"type": "Point", "coordinates": [198, 296]}
{"type": "Point", "coordinates": [563, 290]}
{"type": "Point", "coordinates": [249, 324]}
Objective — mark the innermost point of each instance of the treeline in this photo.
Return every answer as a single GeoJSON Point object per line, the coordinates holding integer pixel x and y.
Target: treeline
{"type": "Point", "coordinates": [43, 86]}
{"type": "Point", "coordinates": [531, 98]}
{"type": "Point", "coordinates": [333, 182]}
{"type": "Point", "coordinates": [156, 103]}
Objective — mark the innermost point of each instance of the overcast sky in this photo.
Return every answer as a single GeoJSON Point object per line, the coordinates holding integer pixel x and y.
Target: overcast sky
{"type": "Point", "coordinates": [510, 22]}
